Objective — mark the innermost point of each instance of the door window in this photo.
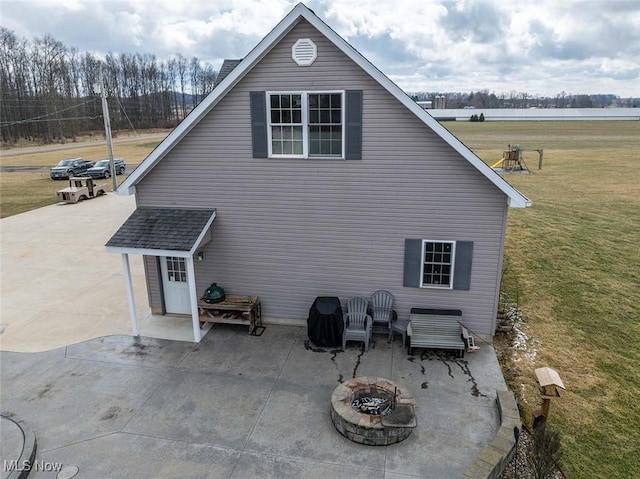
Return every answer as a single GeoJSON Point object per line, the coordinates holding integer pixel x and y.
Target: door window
{"type": "Point", "coordinates": [176, 269]}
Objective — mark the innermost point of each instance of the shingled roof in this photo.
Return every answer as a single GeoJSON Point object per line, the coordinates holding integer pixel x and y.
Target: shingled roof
{"type": "Point", "coordinates": [171, 229]}
{"type": "Point", "coordinates": [225, 69]}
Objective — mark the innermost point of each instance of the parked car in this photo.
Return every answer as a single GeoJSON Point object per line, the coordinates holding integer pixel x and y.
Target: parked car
{"type": "Point", "coordinates": [102, 170]}
{"type": "Point", "coordinates": [70, 167]}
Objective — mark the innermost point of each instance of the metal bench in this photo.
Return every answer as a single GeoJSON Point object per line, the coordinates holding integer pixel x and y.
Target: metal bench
{"type": "Point", "coordinates": [436, 329]}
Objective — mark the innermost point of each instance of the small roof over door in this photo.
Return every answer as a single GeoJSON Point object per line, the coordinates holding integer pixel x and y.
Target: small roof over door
{"type": "Point", "coordinates": [162, 231]}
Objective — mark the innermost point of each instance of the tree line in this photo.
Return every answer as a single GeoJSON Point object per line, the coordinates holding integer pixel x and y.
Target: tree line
{"type": "Point", "coordinates": [51, 93]}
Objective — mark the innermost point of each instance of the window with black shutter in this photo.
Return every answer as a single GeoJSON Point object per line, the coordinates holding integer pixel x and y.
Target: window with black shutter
{"type": "Point", "coordinates": [438, 264]}
{"type": "Point", "coordinates": [308, 125]}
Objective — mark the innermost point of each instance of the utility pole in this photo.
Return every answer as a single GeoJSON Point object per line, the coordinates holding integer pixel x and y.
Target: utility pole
{"type": "Point", "coordinates": [107, 131]}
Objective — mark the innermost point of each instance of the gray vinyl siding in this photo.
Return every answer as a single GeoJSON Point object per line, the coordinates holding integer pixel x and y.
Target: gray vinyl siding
{"type": "Point", "coordinates": [153, 282]}
{"type": "Point", "coordinates": [289, 230]}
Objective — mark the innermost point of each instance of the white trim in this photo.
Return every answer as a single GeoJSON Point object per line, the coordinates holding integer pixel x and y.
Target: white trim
{"type": "Point", "coordinates": [304, 61]}
{"type": "Point", "coordinates": [148, 252]}
{"type": "Point", "coordinates": [453, 260]}
{"type": "Point", "coordinates": [515, 198]}
{"type": "Point", "coordinates": [205, 230]}
{"type": "Point", "coordinates": [303, 105]}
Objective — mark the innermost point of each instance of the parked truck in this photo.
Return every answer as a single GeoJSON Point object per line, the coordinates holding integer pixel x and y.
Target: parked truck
{"type": "Point", "coordinates": [69, 168]}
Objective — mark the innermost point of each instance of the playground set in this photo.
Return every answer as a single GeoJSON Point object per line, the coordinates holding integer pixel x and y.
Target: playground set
{"type": "Point", "coordinates": [513, 162]}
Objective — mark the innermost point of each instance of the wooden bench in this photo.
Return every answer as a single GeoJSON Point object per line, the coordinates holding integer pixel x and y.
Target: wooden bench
{"type": "Point", "coordinates": [245, 310]}
{"type": "Point", "coordinates": [436, 329]}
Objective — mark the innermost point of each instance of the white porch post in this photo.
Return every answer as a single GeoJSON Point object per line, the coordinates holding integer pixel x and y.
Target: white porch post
{"type": "Point", "coordinates": [132, 304]}
{"type": "Point", "coordinates": [193, 298]}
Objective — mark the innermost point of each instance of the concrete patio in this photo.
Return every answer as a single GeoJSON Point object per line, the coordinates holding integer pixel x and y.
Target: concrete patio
{"type": "Point", "coordinates": [241, 406]}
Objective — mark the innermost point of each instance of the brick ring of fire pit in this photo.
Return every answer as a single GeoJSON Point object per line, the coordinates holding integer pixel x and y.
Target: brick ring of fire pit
{"type": "Point", "coordinates": [385, 413]}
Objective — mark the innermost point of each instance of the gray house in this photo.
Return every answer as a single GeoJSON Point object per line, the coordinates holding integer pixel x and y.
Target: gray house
{"type": "Point", "coordinates": [307, 172]}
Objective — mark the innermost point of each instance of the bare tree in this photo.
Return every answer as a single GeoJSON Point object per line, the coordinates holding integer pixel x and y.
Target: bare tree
{"type": "Point", "coordinates": [181, 65]}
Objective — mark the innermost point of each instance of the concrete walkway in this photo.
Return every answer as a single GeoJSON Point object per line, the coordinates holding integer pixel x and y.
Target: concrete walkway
{"type": "Point", "coordinates": [240, 406]}
{"type": "Point", "coordinates": [59, 286]}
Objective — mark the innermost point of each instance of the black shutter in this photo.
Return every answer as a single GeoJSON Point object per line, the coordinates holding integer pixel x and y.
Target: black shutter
{"type": "Point", "coordinates": [353, 125]}
{"type": "Point", "coordinates": [462, 266]}
{"type": "Point", "coordinates": [412, 260]}
{"type": "Point", "coordinates": [259, 124]}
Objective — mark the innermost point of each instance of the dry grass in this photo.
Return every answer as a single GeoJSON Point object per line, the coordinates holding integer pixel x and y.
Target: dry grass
{"type": "Point", "coordinates": [576, 257]}
{"type": "Point", "coordinates": [25, 191]}
{"type": "Point", "coordinates": [22, 191]}
{"type": "Point", "coordinates": [132, 153]}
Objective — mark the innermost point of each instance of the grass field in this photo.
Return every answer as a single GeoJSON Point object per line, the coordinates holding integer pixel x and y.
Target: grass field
{"type": "Point", "coordinates": [22, 191]}
{"type": "Point", "coordinates": [574, 257]}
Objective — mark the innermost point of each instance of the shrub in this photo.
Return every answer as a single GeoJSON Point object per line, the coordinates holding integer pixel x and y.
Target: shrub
{"type": "Point", "coordinates": [546, 454]}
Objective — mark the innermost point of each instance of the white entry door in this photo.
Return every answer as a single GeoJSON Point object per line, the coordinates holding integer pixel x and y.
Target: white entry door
{"type": "Point", "coordinates": [174, 283]}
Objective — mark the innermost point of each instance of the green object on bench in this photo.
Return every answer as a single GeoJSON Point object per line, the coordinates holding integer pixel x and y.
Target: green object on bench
{"type": "Point", "coordinates": [436, 329]}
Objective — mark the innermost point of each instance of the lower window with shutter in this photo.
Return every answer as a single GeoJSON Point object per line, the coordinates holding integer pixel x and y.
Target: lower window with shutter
{"type": "Point", "coordinates": [443, 264]}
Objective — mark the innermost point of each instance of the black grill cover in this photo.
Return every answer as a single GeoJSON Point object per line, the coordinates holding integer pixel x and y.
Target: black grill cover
{"type": "Point", "coordinates": [324, 324]}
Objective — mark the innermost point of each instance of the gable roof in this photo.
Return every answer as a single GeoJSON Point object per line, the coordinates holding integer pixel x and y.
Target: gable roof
{"type": "Point", "coordinates": [300, 11]}
{"type": "Point", "coordinates": [226, 68]}
{"type": "Point", "coordinates": [162, 231]}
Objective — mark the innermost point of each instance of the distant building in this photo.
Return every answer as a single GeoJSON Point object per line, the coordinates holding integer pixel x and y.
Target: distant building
{"type": "Point", "coordinates": [441, 102]}
{"type": "Point", "coordinates": [535, 114]}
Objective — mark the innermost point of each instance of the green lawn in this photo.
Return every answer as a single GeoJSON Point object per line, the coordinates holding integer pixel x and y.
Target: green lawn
{"type": "Point", "coordinates": [576, 256]}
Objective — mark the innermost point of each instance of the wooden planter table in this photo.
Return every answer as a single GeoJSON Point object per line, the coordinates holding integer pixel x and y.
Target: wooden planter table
{"type": "Point", "coordinates": [233, 310]}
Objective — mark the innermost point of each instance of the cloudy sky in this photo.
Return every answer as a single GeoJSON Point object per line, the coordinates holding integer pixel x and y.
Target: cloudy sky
{"type": "Point", "coordinates": [540, 47]}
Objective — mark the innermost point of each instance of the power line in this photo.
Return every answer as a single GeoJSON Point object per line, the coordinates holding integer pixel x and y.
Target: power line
{"type": "Point", "coordinates": [39, 118]}
{"type": "Point", "coordinates": [23, 122]}
{"type": "Point", "coordinates": [125, 114]}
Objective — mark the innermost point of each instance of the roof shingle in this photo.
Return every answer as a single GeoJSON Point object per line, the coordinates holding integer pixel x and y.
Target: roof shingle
{"type": "Point", "coordinates": [226, 68]}
{"type": "Point", "coordinates": [174, 229]}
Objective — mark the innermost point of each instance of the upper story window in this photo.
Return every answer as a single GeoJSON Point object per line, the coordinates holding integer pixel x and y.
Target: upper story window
{"type": "Point", "coordinates": [306, 124]}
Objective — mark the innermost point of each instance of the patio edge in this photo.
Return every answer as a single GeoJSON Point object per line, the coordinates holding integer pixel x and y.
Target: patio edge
{"type": "Point", "coordinates": [29, 445]}
{"type": "Point", "coordinates": [494, 457]}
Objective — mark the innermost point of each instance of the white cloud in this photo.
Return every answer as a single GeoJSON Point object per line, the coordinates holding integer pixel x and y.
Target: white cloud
{"type": "Point", "coordinates": [546, 46]}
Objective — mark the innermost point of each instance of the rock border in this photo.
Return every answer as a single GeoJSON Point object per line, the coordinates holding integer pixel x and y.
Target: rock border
{"type": "Point", "coordinates": [363, 428]}
{"type": "Point", "coordinates": [495, 457]}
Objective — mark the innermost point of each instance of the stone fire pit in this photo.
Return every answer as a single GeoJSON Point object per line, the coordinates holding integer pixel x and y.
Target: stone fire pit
{"type": "Point", "coordinates": [373, 411]}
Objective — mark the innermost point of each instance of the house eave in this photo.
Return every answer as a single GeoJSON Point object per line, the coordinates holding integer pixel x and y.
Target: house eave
{"type": "Point", "coordinates": [149, 252]}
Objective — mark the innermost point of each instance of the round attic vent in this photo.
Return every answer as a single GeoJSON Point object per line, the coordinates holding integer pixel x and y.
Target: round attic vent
{"type": "Point", "coordinates": [304, 52]}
